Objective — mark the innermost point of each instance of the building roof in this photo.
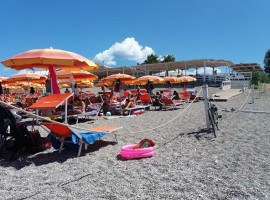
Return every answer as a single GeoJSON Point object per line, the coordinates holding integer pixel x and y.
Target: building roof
{"type": "Point", "coordinates": [183, 65]}
{"type": "Point", "coordinates": [246, 67]}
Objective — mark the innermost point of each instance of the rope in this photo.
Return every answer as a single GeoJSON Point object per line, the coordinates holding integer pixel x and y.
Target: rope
{"type": "Point", "coordinates": [239, 108]}
{"type": "Point", "coordinates": [157, 127]}
{"type": "Point", "coordinates": [79, 128]}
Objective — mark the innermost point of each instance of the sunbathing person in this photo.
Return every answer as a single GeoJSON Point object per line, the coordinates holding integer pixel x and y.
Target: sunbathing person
{"type": "Point", "coordinates": [80, 106]}
{"type": "Point", "coordinates": [130, 102]}
{"type": "Point", "coordinates": [175, 96]}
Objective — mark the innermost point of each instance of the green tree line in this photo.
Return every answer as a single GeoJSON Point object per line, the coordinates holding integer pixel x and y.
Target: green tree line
{"type": "Point", "coordinates": [154, 59]}
{"type": "Point", "coordinates": [259, 77]}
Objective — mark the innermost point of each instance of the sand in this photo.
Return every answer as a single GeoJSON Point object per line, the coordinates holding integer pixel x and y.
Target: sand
{"type": "Point", "coordinates": [188, 163]}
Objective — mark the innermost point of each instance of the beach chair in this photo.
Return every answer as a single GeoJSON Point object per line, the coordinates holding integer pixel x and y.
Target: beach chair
{"type": "Point", "coordinates": [185, 96]}
{"type": "Point", "coordinates": [129, 111]}
{"type": "Point", "coordinates": [91, 110]}
{"type": "Point", "coordinates": [145, 99]}
{"type": "Point", "coordinates": [134, 92]}
{"type": "Point", "coordinates": [143, 91]}
{"type": "Point", "coordinates": [67, 135]}
{"type": "Point", "coordinates": [167, 102]}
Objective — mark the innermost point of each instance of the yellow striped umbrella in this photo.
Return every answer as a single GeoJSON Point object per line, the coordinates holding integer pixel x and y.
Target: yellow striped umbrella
{"type": "Point", "coordinates": [187, 78]}
{"type": "Point", "coordinates": [2, 78]}
{"type": "Point", "coordinates": [173, 80]}
{"type": "Point", "coordinates": [125, 78]}
{"type": "Point", "coordinates": [153, 79]}
{"type": "Point", "coordinates": [78, 75]}
{"type": "Point", "coordinates": [28, 77]}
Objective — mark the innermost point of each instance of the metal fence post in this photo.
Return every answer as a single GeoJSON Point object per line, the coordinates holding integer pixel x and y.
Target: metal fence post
{"type": "Point", "coordinates": [206, 105]}
{"type": "Point", "coordinates": [259, 92]}
{"type": "Point", "coordinates": [252, 89]}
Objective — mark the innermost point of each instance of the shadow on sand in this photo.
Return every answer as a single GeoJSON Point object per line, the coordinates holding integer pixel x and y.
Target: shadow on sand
{"type": "Point", "coordinates": [45, 157]}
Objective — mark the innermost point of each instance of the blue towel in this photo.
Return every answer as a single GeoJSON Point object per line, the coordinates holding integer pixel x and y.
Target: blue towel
{"type": "Point", "coordinates": [89, 137]}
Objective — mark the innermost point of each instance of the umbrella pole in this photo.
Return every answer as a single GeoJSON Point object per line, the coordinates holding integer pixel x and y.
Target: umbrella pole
{"type": "Point", "coordinates": [51, 86]}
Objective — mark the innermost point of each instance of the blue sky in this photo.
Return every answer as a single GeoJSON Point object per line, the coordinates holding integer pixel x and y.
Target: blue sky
{"type": "Point", "coordinates": [122, 32]}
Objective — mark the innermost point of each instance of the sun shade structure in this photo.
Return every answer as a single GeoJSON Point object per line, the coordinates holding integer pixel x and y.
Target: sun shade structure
{"type": "Point", "coordinates": [181, 65]}
{"type": "Point", "coordinates": [43, 58]}
{"type": "Point", "coordinates": [52, 101]}
{"type": "Point", "coordinates": [28, 77]}
{"type": "Point", "coordinates": [247, 67]}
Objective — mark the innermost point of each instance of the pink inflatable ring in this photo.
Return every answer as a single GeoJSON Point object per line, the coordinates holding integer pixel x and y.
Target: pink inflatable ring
{"type": "Point", "coordinates": [128, 152]}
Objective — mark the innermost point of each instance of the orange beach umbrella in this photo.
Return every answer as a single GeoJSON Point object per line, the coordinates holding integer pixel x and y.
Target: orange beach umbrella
{"type": "Point", "coordinates": [43, 58]}
{"type": "Point", "coordinates": [153, 79]}
{"type": "Point", "coordinates": [50, 59]}
{"type": "Point", "coordinates": [173, 79]}
{"type": "Point", "coordinates": [123, 77]}
{"type": "Point", "coordinates": [28, 77]}
{"type": "Point", "coordinates": [2, 78]}
{"type": "Point", "coordinates": [187, 78]}
{"type": "Point", "coordinates": [78, 75]}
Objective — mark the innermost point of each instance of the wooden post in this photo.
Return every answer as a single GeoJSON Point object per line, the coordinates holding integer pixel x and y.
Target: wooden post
{"type": "Point", "coordinates": [206, 105]}
{"type": "Point", "coordinates": [264, 87]}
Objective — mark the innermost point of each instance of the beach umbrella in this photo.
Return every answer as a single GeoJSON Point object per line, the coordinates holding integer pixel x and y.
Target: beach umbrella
{"type": "Point", "coordinates": [101, 83]}
{"type": "Point", "coordinates": [25, 77]}
{"type": "Point", "coordinates": [125, 78]}
{"type": "Point", "coordinates": [153, 79]}
{"type": "Point", "coordinates": [50, 59]}
{"type": "Point", "coordinates": [172, 80]}
{"type": "Point", "coordinates": [44, 58]}
{"type": "Point", "coordinates": [77, 75]}
{"type": "Point", "coordinates": [2, 78]}
{"type": "Point", "coordinates": [187, 78]}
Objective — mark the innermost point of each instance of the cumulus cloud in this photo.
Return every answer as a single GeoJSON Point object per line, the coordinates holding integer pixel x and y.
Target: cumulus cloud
{"type": "Point", "coordinates": [128, 49]}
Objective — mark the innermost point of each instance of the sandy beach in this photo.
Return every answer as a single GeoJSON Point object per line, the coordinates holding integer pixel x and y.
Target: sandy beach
{"type": "Point", "coordinates": [188, 163]}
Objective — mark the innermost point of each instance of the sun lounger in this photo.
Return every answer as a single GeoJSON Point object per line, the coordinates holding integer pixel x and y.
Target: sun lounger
{"type": "Point", "coordinates": [145, 99]}
{"type": "Point", "coordinates": [129, 111]}
{"type": "Point", "coordinates": [185, 96]}
{"type": "Point", "coordinates": [92, 110]}
{"type": "Point", "coordinates": [167, 102]}
{"type": "Point", "coordinates": [65, 134]}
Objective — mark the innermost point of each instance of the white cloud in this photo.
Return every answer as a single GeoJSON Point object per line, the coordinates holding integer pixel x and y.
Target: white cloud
{"type": "Point", "coordinates": [128, 49]}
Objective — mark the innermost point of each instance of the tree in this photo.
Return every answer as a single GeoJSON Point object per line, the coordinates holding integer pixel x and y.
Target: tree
{"type": "Point", "coordinates": [169, 58]}
{"type": "Point", "coordinates": [151, 59]}
{"type": "Point", "coordinates": [261, 77]}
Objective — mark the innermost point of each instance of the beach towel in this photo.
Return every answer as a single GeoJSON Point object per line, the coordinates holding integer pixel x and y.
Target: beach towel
{"type": "Point", "coordinates": [89, 137]}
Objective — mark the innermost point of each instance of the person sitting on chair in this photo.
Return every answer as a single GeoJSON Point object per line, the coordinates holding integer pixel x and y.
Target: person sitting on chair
{"type": "Point", "coordinates": [80, 106]}
{"type": "Point", "coordinates": [130, 102]}
{"type": "Point", "coordinates": [175, 96]}
{"type": "Point", "coordinates": [67, 90]}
